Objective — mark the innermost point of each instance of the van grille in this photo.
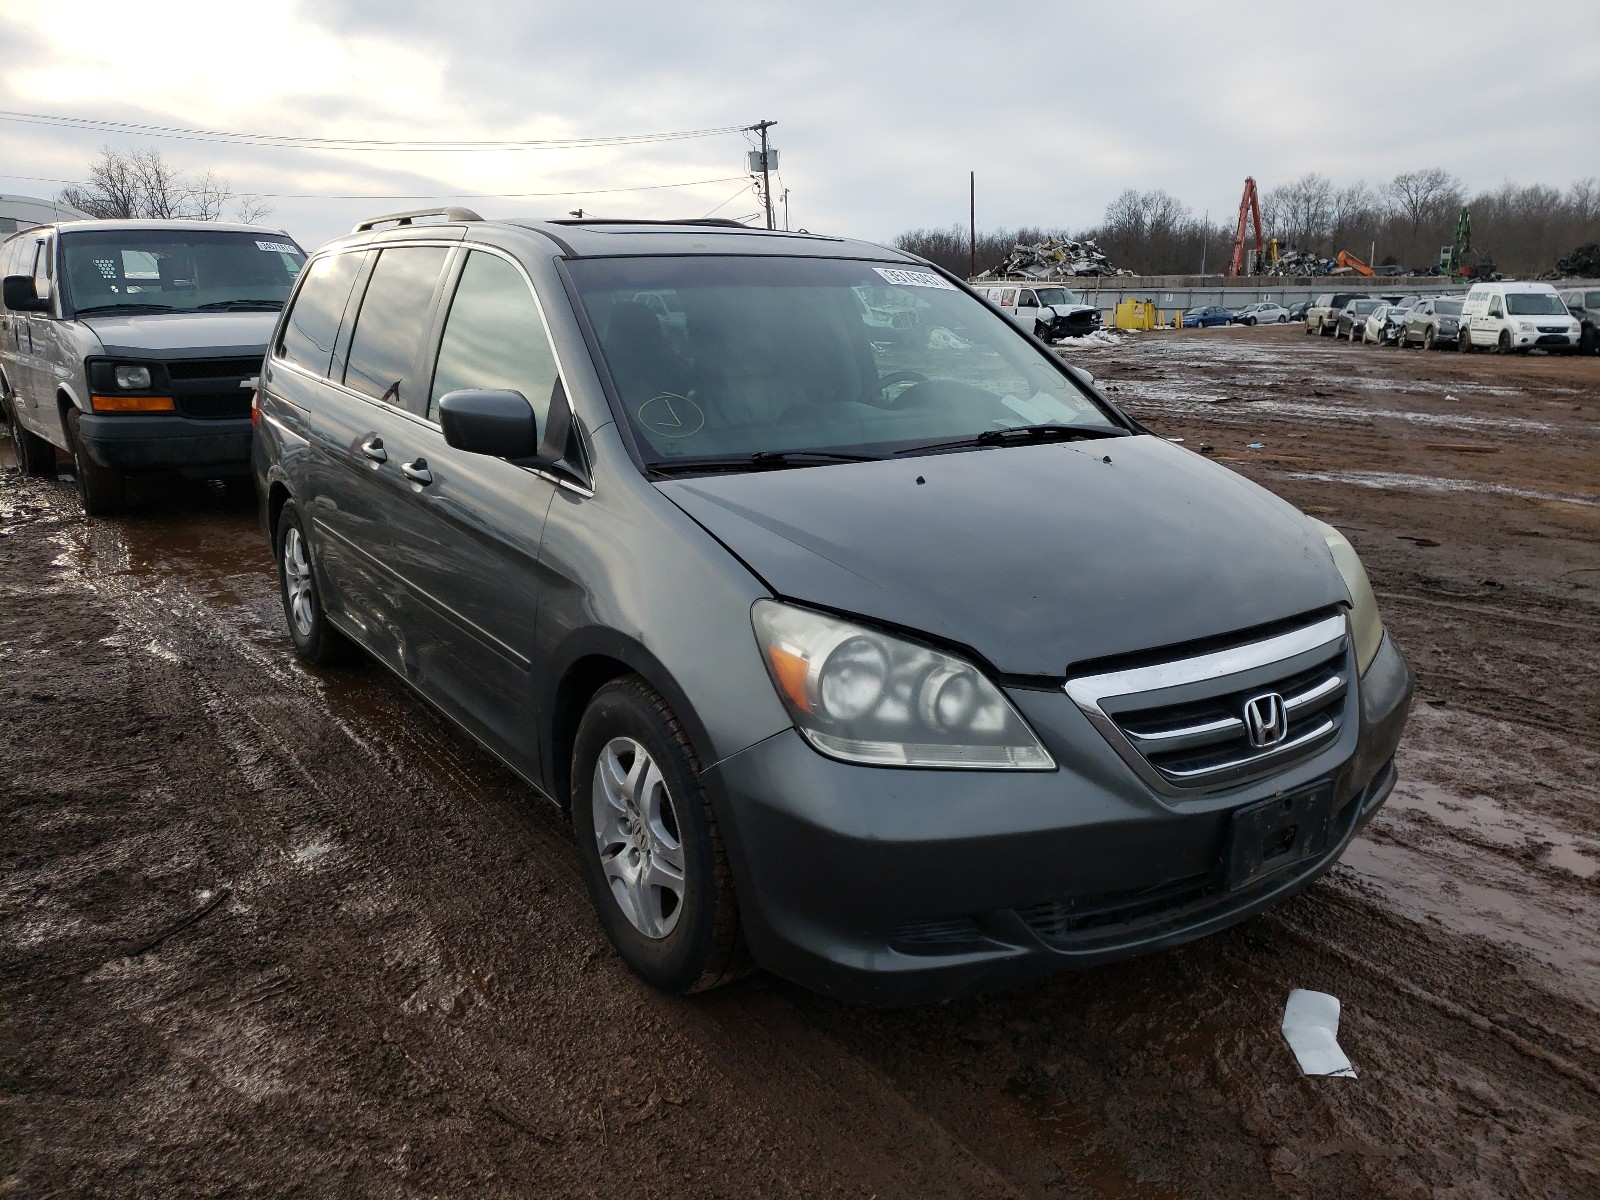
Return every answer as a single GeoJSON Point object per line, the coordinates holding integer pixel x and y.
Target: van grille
{"type": "Point", "coordinates": [1183, 724]}
{"type": "Point", "coordinates": [214, 405]}
{"type": "Point", "coordinates": [214, 368]}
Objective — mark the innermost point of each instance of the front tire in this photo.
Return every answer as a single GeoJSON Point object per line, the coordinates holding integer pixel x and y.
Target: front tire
{"type": "Point", "coordinates": [1427, 338]}
{"type": "Point", "coordinates": [649, 846]}
{"type": "Point", "coordinates": [315, 641]}
{"type": "Point", "coordinates": [34, 455]}
{"type": "Point", "coordinates": [1503, 345]}
{"type": "Point", "coordinates": [102, 490]}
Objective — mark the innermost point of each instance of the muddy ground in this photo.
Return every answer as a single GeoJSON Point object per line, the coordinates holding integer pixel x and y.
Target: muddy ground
{"type": "Point", "coordinates": [268, 931]}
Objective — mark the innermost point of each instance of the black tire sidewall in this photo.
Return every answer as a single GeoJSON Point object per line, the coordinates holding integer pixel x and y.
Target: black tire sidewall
{"type": "Point", "coordinates": [677, 962]}
{"type": "Point", "coordinates": [323, 643]}
{"type": "Point", "coordinates": [99, 488]}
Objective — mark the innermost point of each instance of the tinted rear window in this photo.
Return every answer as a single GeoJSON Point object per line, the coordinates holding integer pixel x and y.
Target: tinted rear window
{"type": "Point", "coordinates": [312, 326]}
{"type": "Point", "coordinates": [392, 325]}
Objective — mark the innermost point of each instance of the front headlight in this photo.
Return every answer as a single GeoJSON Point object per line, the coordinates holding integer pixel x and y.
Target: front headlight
{"type": "Point", "coordinates": [865, 697]}
{"type": "Point", "coordinates": [1365, 623]}
{"type": "Point", "coordinates": [132, 378]}
{"type": "Point", "coordinates": [1525, 326]}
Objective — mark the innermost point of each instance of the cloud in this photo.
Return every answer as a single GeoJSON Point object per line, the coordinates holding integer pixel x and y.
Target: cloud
{"type": "Point", "coordinates": [882, 109]}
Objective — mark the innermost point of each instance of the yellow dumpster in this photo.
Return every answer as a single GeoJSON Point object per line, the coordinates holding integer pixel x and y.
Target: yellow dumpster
{"type": "Point", "coordinates": [1134, 314]}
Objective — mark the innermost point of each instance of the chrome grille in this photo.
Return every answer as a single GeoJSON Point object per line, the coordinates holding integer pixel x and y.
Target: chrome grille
{"type": "Point", "coordinates": [1184, 725]}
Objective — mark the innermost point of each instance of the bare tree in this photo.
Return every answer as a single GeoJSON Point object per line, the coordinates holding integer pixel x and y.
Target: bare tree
{"type": "Point", "coordinates": [252, 209]}
{"type": "Point", "coordinates": [1420, 196]}
{"type": "Point", "coordinates": [140, 184]}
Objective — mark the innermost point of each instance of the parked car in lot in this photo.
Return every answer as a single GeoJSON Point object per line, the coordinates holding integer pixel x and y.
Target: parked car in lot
{"type": "Point", "coordinates": [129, 345]}
{"type": "Point", "coordinates": [1322, 317]}
{"type": "Point", "coordinates": [1047, 311]}
{"type": "Point", "coordinates": [1383, 324]}
{"type": "Point", "coordinates": [781, 621]}
{"type": "Point", "coordinates": [1297, 312]}
{"type": "Point", "coordinates": [1517, 317]}
{"type": "Point", "coordinates": [1432, 323]}
{"type": "Point", "coordinates": [1263, 313]}
{"type": "Point", "coordinates": [1206, 316]}
{"type": "Point", "coordinates": [1352, 318]}
{"type": "Point", "coordinates": [1584, 305]}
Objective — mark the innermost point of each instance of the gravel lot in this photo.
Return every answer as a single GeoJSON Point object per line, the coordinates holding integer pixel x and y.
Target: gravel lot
{"type": "Point", "coordinates": [267, 931]}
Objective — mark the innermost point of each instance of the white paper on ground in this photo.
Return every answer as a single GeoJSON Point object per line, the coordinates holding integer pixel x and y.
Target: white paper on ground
{"type": "Point", "coordinates": [1311, 1027]}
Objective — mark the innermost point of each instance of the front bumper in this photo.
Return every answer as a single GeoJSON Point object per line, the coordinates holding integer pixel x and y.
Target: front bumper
{"type": "Point", "coordinates": [168, 441]}
{"type": "Point", "coordinates": [893, 886]}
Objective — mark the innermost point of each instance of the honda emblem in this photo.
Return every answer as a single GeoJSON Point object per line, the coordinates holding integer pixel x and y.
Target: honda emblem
{"type": "Point", "coordinates": [1266, 721]}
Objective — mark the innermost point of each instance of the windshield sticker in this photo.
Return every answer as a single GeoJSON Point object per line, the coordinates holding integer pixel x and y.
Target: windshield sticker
{"type": "Point", "coordinates": [277, 247]}
{"type": "Point", "coordinates": [915, 278]}
{"type": "Point", "coordinates": [670, 415]}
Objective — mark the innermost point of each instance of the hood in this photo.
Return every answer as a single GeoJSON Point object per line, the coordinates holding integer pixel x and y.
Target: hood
{"type": "Point", "coordinates": [1069, 310]}
{"type": "Point", "coordinates": [196, 334]}
{"type": "Point", "coordinates": [1035, 557]}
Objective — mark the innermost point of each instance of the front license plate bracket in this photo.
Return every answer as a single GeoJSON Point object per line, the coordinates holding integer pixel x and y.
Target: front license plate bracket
{"type": "Point", "coordinates": [1271, 835]}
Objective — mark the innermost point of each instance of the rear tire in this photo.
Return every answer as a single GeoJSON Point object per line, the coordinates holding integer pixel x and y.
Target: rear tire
{"type": "Point", "coordinates": [649, 846]}
{"type": "Point", "coordinates": [1464, 340]}
{"type": "Point", "coordinates": [1589, 341]}
{"type": "Point", "coordinates": [102, 490]}
{"type": "Point", "coordinates": [315, 640]}
{"type": "Point", "coordinates": [34, 455]}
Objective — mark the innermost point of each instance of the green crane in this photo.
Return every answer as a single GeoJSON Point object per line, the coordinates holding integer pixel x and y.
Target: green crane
{"type": "Point", "coordinates": [1454, 255]}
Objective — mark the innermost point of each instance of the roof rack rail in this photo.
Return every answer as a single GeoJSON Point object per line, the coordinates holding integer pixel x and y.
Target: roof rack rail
{"type": "Point", "coordinates": [725, 222]}
{"type": "Point", "coordinates": [407, 218]}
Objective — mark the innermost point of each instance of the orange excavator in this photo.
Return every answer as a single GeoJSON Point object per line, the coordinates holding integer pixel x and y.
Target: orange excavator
{"type": "Point", "coordinates": [1249, 206]}
{"type": "Point", "coordinates": [1345, 263]}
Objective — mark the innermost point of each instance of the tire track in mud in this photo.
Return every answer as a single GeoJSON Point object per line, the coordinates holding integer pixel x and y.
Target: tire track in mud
{"type": "Point", "coordinates": [282, 752]}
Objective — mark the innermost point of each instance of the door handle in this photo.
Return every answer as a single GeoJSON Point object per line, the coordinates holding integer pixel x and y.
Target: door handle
{"type": "Point", "coordinates": [417, 472]}
{"type": "Point", "coordinates": [373, 449]}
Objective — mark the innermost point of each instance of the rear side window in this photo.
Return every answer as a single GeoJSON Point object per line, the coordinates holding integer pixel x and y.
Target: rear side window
{"type": "Point", "coordinates": [495, 338]}
{"type": "Point", "coordinates": [393, 323]}
{"type": "Point", "coordinates": [312, 326]}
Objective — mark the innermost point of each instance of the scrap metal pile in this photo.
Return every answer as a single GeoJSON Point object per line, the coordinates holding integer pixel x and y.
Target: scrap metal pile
{"type": "Point", "coordinates": [1054, 258]}
{"type": "Point", "coordinates": [1301, 262]}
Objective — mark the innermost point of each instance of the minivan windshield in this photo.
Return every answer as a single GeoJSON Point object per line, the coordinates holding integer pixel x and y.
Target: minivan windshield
{"type": "Point", "coordinates": [161, 270]}
{"type": "Point", "coordinates": [1535, 304]}
{"type": "Point", "coordinates": [776, 356]}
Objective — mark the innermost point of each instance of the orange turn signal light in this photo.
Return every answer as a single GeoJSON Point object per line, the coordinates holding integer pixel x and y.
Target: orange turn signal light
{"type": "Point", "coordinates": [791, 672]}
{"type": "Point", "coordinates": [132, 403]}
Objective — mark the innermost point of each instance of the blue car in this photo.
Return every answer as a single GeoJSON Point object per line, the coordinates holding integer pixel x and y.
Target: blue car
{"type": "Point", "coordinates": [1207, 315]}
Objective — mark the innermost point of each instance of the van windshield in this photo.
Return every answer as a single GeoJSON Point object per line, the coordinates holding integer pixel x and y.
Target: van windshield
{"type": "Point", "coordinates": [782, 355]}
{"type": "Point", "coordinates": [1057, 296]}
{"type": "Point", "coordinates": [1535, 304]}
{"type": "Point", "coordinates": [157, 270]}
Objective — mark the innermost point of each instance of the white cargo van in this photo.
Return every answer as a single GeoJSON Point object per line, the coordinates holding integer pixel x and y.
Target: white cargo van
{"type": "Point", "coordinates": [1517, 316]}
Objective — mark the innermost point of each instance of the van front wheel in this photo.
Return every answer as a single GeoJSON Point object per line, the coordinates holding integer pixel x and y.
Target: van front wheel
{"type": "Point", "coordinates": [648, 843]}
{"type": "Point", "coordinates": [34, 455]}
{"type": "Point", "coordinates": [102, 490]}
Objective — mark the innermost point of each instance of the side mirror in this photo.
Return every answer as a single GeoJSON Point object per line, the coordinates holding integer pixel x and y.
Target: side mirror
{"type": "Point", "coordinates": [500, 424]}
{"type": "Point", "coordinates": [20, 296]}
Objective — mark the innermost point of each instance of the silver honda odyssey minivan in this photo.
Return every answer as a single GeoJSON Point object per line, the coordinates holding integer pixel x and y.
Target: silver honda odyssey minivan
{"type": "Point", "coordinates": [898, 664]}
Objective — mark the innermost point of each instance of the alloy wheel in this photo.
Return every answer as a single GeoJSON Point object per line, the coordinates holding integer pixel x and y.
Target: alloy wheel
{"type": "Point", "coordinates": [297, 582]}
{"type": "Point", "coordinates": [636, 829]}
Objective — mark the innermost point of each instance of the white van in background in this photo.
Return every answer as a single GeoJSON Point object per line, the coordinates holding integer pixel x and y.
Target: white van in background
{"type": "Point", "coordinates": [1517, 316]}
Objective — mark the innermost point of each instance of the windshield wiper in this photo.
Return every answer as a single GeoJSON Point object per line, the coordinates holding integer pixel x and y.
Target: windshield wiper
{"type": "Point", "coordinates": [760, 460]}
{"type": "Point", "coordinates": [131, 306]}
{"type": "Point", "coordinates": [1019, 435]}
{"type": "Point", "coordinates": [242, 305]}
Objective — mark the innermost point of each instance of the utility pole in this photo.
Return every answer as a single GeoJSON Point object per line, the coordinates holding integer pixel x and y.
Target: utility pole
{"type": "Point", "coordinates": [761, 127]}
{"type": "Point", "coordinates": [1205, 240]}
{"type": "Point", "coordinates": [972, 224]}
{"type": "Point", "coordinates": [785, 198]}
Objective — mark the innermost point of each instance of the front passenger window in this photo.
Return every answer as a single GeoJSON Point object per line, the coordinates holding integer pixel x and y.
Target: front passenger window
{"type": "Point", "coordinates": [495, 338]}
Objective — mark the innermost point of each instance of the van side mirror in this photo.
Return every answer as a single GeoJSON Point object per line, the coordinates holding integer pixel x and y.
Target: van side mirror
{"type": "Point", "coordinates": [20, 296]}
{"type": "Point", "coordinates": [497, 423]}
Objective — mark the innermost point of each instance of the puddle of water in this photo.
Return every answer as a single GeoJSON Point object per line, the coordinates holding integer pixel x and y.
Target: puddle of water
{"type": "Point", "coordinates": [1486, 819]}
{"type": "Point", "coordinates": [1432, 483]}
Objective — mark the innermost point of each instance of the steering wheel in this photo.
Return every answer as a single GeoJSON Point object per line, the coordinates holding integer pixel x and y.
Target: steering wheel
{"type": "Point", "coordinates": [873, 392]}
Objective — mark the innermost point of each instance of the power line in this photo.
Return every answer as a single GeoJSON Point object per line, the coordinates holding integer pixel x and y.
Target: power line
{"type": "Point", "coordinates": [648, 187]}
{"type": "Point", "coordinates": [373, 145]}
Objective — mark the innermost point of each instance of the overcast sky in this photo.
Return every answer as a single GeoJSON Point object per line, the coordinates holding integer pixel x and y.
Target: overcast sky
{"type": "Point", "coordinates": [881, 108]}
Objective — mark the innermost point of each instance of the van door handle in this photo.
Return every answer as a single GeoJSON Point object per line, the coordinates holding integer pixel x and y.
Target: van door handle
{"type": "Point", "coordinates": [373, 449]}
{"type": "Point", "coordinates": [417, 472]}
